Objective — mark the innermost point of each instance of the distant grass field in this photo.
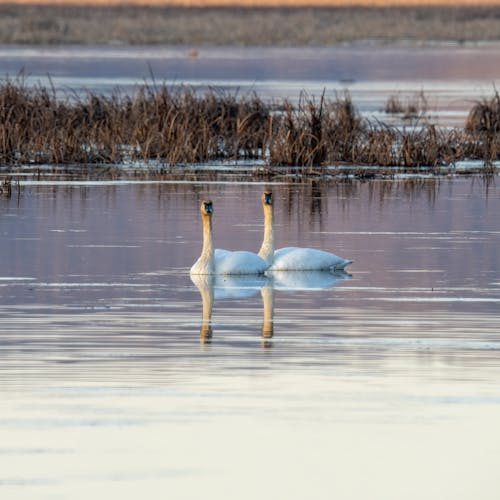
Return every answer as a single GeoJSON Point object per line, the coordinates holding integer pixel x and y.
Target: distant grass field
{"type": "Point", "coordinates": [196, 26]}
{"type": "Point", "coordinates": [263, 3]}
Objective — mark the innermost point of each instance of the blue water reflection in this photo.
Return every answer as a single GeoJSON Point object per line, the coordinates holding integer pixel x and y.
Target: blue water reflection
{"type": "Point", "coordinates": [106, 384]}
{"type": "Point", "coordinates": [213, 287]}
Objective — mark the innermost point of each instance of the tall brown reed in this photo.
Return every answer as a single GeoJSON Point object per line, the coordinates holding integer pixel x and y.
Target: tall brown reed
{"type": "Point", "coordinates": [155, 123]}
{"type": "Point", "coordinates": [313, 134]}
{"type": "Point", "coordinates": [483, 128]}
{"type": "Point", "coordinates": [411, 108]}
{"type": "Point", "coordinates": [178, 126]}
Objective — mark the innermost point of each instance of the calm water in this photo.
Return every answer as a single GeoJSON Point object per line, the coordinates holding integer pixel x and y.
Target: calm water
{"type": "Point", "coordinates": [381, 384]}
{"type": "Point", "coordinates": [452, 77]}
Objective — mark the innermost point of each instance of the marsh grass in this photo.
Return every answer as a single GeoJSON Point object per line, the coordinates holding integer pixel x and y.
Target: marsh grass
{"type": "Point", "coordinates": [410, 108]}
{"type": "Point", "coordinates": [154, 124]}
{"type": "Point", "coordinates": [173, 127]}
{"type": "Point", "coordinates": [483, 127]}
{"type": "Point", "coordinates": [6, 188]}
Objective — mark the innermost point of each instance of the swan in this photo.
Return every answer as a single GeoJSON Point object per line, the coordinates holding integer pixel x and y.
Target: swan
{"type": "Point", "coordinates": [293, 258]}
{"type": "Point", "coordinates": [223, 261]}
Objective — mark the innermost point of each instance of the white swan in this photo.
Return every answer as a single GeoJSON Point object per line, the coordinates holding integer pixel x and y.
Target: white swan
{"type": "Point", "coordinates": [223, 261]}
{"type": "Point", "coordinates": [293, 258]}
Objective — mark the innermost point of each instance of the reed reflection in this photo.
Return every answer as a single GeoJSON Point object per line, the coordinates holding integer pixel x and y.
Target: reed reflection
{"type": "Point", "coordinates": [215, 287]}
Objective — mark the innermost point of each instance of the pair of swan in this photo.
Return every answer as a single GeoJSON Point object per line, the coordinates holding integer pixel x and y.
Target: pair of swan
{"type": "Point", "coordinates": [218, 261]}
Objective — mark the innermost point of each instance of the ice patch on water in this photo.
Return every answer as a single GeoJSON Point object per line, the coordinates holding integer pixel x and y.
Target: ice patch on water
{"type": "Point", "coordinates": [103, 246]}
{"type": "Point", "coordinates": [17, 278]}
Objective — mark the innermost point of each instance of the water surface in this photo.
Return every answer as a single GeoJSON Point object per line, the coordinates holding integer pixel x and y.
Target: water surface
{"type": "Point", "coordinates": [378, 384]}
{"type": "Point", "coordinates": [452, 76]}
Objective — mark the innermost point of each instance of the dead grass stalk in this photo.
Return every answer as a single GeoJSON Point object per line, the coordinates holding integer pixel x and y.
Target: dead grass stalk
{"type": "Point", "coordinates": [178, 126]}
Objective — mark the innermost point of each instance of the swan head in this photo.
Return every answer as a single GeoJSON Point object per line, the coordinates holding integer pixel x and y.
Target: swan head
{"type": "Point", "coordinates": [207, 208]}
{"type": "Point", "coordinates": [267, 198]}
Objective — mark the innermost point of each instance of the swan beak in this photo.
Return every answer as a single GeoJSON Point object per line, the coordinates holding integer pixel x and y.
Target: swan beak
{"type": "Point", "coordinates": [268, 198]}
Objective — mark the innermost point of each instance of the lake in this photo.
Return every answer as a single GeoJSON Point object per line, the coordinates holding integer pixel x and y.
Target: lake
{"type": "Point", "coordinates": [380, 383]}
{"type": "Point", "coordinates": [453, 77]}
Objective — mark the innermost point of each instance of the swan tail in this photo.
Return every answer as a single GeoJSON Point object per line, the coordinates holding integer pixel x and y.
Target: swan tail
{"type": "Point", "coordinates": [340, 265]}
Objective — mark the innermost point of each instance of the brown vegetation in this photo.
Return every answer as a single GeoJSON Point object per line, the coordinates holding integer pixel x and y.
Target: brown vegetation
{"type": "Point", "coordinates": [173, 127]}
{"type": "Point", "coordinates": [483, 126]}
{"type": "Point", "coordinates": [6, 188]}
{"type": "Point", "coordinates": [412, 108]}
{"type": "Point", "coordinates": [227, 25]}
{"type": "Point", "coordinates": [169, 126]}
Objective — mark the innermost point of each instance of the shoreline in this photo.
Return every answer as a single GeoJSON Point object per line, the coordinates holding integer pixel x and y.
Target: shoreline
{"type": "Point", "coordinates": [295, 4]}
{"type": "Point", "coordinates": [309, 26]}
{"type": "Point", "coordinates": [361, 43]}
{"type": "Point", "coordinates": [217, 173]}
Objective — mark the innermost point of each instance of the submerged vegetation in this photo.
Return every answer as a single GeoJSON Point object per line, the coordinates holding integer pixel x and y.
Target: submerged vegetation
{"type": "Point", "coordinates": [161, 126]}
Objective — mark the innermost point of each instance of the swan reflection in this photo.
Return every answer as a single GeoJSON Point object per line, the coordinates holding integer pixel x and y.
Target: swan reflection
{"type": "Point", "coordinates": [267, 294]}
{"type": "Point", "coordinates": [219, 287]}
{"type": "Point", "coordinates": [306, 280]}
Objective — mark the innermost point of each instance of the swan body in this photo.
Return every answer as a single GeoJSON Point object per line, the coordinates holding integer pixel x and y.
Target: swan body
{"type": "Point", "coordinates": [219, 261]}
{"type": "Point", "coordinates": [306, 259]}
{"type": "Point", "coordinates": [238, 262]}
{"type": "Point", "coordinates": [293, 258]}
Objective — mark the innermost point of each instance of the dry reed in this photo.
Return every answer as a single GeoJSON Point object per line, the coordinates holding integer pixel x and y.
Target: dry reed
{"type": "Point", "coordinates": [155, 123]}
{"type": "Point", "coordinates": [411, 108]}
{"type": "Point", "coordinates": [483, 127]}
{"type": "Point", "coordinates": [172, 127]}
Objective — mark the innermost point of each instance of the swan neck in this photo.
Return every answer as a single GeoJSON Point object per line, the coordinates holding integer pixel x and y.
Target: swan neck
{"type": "Point", "coordinates": [267, 249]}
{"type": "Point", "coordinates": [208, 243]}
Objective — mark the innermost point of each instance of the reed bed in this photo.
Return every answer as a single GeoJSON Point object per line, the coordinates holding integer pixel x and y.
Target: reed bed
{"type": "Point", "coordinates": [154, 124]}
{"type": "Point", "coordinates": [483, 127]}
{"type": "Point", "coordinates": [170, 127]}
